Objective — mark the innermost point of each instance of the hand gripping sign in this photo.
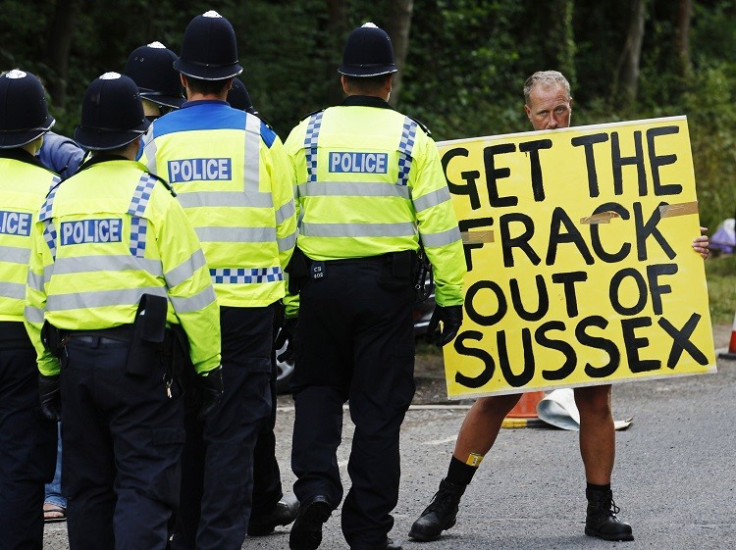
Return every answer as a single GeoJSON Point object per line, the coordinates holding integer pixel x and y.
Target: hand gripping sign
{"type": "Point", "coordinates": [580, 265]}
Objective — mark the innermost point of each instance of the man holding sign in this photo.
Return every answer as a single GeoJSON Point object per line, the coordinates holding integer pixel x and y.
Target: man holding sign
{"type": "Point", "coordinates": [548, 105]}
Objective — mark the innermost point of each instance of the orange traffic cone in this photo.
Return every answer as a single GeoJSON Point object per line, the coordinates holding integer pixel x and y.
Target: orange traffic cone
{"type": "Point", "coordinates": [527, 405]}
{"type": "Point", "coordinates": [731, 353]}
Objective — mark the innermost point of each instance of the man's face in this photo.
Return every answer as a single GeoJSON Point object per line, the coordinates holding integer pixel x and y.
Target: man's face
{"type": "Point", "coordinates": [549, 107]}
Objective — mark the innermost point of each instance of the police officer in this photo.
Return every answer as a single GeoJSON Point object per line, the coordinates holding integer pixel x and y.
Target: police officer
{"type": "Point", "coordinates": [152, 68]}
{"type": "Point", "coordinates": [369, 186]}
{"type": "Point", "coordinates": [234, 180]}
{"type": "Point", "coordinates": [27, 439]}
{"type": "Point", "coordinates": [116, 272]}
{"type": "Point", "coordinates": [269, 508]}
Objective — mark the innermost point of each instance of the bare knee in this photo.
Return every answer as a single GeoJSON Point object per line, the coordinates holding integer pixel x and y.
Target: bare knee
{"type": "Point", "coordinates": [496, 406]}
{"type": "Point", "coordinates": [594, 401]}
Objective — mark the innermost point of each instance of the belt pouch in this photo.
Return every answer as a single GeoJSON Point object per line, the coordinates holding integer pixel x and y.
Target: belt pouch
{"type": "Point", "coordinates": [149, 330]}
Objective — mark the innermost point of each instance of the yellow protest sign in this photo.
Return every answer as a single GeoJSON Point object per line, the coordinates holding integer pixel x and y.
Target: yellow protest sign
{"type": "Point", "coordinates": [580, 265]}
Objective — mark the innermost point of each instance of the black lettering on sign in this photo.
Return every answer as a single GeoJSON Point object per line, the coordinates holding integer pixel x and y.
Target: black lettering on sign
{"type": "Point", "coordinates": [477, 317]}
{"type": "Point", "coordinates": [598, 342]}
{"type": "Point", "coordinates": [571, 359]}
{"type": "Point", "coordinates": [614, 291]}
{"type": "Point", "coordinates": [681, 341]}
{"type": "Point", "coordinates": [633, 344]}
{"type": "Point", "coordinates": [618, 161]}
{"type": "Point", "coordinates": [466, 225]}
{"type": "Point", "coordinates": [568, 281]}
{"type": "Point", "coordinates": [649, 229]}
{"type": "Point", "coordinates": [508, 243]}
{"type": "Point", "coordinates": [657, 161]}
{"type": "Point", "coordinates": [525, 376]}
{"type": "Point", "coordinates": [587, 142]}
{"type": "Point", "coordinates": [494, 174]}
{"type": "Point", "coordinates": [570, 235]}
{"type": "Point", "coordinates": [542, 304]}
{"type": "Point", "coordinates": [485, 376]}
{"type": "Point", "coordinates": [655, 289]}
{"type": "Point", "coordinates": [533, 148]}
{"type": "Point", "coordinates": [595, 235]}
{"type": "Point", "coordinates": [470, 188]}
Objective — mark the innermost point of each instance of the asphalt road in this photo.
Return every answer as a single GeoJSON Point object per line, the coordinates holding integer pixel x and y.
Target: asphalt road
{"type": "Point", "coordinates": [675, 475]}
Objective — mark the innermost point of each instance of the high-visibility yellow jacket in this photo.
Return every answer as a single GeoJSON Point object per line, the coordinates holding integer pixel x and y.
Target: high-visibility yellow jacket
{"type": "Point", "coordinates": [370, 182]}
{"type": "Point", "coordinates": [235, 182]}
{"type": "Point", "coordinates": [24, 185]}
{"type": "Point", "coordinates": [105, 237]}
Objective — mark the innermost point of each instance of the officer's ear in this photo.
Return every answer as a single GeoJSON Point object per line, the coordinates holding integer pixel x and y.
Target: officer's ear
{"type": "Point", "coordinates": [345, 84]}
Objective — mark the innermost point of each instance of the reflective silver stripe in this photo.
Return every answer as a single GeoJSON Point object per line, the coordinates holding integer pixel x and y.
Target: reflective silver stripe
{"type": "Point", "coordinates": [224, 198]}
{"type": "Point", "coordinates": [100, 298]}
{"type": "Point", "coordinates": [237, 234]}
{"type": "Point", "coordinates": [353, 189]}
{"type": "Point", "coordinates": [48, 271]}
{"type": "Point", "coordinates": [150, 151]}
{"type": "Point", "coordinates": [432, 199]}
{"type": "Point", "coordinates": [13, 290]}
{"type": "Point", "coordinates": [123, 262]}
{"type": "Point", "coordinates": [358, 230]}
{"type": "Point", "coordinates": [35, 281]}
{"type": "Point", "coordinates": [252, 159]}
{"type": "Point", "coordinates": [441, 239]}
{"type": "Point", "coordinates": [186, 269]}
{"type": "Point", "coordinates": [287, 242]}
{"type": "Point", "coordinates": [194, 303]}
{"type": "Point", "coordinates": [286, 211]}
{"type": "Point", "coordinates": [14, 254]}
{"type": "Point", "coordinates": [33, 314]}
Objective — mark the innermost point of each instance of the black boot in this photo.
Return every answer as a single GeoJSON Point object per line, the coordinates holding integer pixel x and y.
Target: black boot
{"type": "Point", "coordinates": [306, 533]}
{"type": "Point", "coordinates": [601, 520]}
{"type": "Point", "coordinates": [282, 513]}
{"type": "Point", "coordinates": [440, 514]}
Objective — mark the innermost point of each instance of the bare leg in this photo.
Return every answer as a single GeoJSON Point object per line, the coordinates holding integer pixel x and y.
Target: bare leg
{"type": "Point", "coordinates": [482, 424]}
{"type": "Point", "coordinates": [597, 433]}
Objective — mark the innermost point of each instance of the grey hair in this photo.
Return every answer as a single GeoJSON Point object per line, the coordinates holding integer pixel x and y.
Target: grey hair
{"type": "Point", "coordinates": [545, 78]}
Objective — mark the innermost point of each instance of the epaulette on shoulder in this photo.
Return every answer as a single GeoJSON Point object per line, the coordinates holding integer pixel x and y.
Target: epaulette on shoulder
{"type": "Point", "coordinates": [422, 126]}
{"type": "Point", "coordinates": [165, 183]}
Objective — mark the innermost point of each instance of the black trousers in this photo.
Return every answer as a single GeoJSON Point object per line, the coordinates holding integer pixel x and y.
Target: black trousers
{"type": "Point", "coordinates": [267, 489]}
{"type": "Point", "coordinates": [355, 344]}
{"type": "Point", "coordinates": [218, 460]}
{"type": "Point", "coordinates": [123, 438]}
{"type": "Point", "coordinates": [27, 446]}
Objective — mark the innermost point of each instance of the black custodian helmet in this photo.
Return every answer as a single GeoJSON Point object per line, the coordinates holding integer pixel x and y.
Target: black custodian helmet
{"type": "Point", "coordinates": [209, 50]}
{"type": "Point", "coordinates": [152, 68]}
{"type": "Point", "coordinates": [112, 114]}
{"type": "Point", "coordinates": [368, 52]}
{"type": "Point", "coordinates": [24, 115]}
{"type": "Point", "coordinates": [239, 98]}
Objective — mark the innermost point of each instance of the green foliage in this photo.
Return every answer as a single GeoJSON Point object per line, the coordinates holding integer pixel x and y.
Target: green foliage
{"type": "Point", "coordinates": [721, 276]}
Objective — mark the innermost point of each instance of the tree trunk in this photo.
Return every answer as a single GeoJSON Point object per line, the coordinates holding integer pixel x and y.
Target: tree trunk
{"type": "Point", "coordinates": [399, 25]}
{"type": "Point", "coordinates": [61, 32]}
{"type": "Point", "coordinates": [684, 16]}
{"type": "Point", "coordinates": [564, 38]}
{"type": "Point", "coordinates": [337, 25]}
{"type": "Point", "coordinates": [626, 80]}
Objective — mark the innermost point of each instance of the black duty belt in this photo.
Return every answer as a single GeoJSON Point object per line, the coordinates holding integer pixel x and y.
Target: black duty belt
{"type": "Point", "coordinates": [381, 259]}
{"type": "Point", "coordinates": [115, 335]}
